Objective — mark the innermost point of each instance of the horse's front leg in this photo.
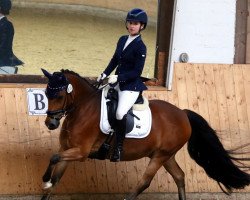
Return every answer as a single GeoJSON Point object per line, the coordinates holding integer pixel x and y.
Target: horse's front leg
{"type": "Point", "coordinates": [58, 172]}
{"type": "Point", "coordinates": [57, 166]}
{"type": "Point", "coordinates": [47, 175]}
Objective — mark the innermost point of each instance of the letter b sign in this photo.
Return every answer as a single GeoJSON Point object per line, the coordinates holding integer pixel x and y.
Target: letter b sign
{"type": "Point", "coordinates": [37, 101]}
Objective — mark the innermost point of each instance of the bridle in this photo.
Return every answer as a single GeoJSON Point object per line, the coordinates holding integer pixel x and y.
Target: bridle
{"type": "Point", "coordinates": [66, 108]}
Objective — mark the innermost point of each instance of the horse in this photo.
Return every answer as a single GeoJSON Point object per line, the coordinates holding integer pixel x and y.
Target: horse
{"type": "Point", "coordinates": [74, 97]}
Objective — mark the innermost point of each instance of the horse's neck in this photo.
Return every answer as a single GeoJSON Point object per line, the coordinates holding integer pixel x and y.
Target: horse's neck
{"type": "Point", "coordinates": [82, 89]}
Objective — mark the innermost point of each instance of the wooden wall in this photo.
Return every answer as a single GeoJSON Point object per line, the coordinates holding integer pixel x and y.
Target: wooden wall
{"type": "Point", "coordinates": [248, 36]}
{"type": "Point", "coordinates": [220, 93]}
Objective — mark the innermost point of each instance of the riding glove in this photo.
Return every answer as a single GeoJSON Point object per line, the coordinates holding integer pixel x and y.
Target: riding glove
{"type": "Point", "coordinates": [112, 79]}
{"type": "Point", "coordinates": [101, 77]}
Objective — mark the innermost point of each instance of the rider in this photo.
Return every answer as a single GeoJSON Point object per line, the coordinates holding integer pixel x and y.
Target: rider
{"type": "Point", "coordinates": [8, 61]}
{"type": "Point", "coordinates": [128, 59]}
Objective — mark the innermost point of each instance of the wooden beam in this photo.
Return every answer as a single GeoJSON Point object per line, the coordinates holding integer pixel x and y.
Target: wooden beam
{"type": "Point", "coordinates": [18, 78]}
{"type": "Point", "coordinates": [241, 31]}
{"type": "Point", "coordinates": [36, 79]}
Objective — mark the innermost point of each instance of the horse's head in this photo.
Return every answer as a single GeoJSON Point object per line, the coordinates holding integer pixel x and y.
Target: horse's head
{"type": "Point", "coordinates": [60, 98]}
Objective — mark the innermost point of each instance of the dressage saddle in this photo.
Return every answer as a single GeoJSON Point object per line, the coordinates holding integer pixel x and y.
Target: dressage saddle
{"type": "Point", "coordinates": [112, 103]}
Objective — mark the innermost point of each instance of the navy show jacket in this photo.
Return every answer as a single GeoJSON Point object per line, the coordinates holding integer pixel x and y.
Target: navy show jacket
{"type": "Point", "coordinates": [129, 64]}
{"type": "Point", "coordinates": [7, 58]}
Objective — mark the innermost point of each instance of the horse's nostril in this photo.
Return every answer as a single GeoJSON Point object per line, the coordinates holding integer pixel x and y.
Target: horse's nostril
{"type": "Point", "coordinates": [52, 126]}
{"type": "Point", "coordinates": [52, 123]}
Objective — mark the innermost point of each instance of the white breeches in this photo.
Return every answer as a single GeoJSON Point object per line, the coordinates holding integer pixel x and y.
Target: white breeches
{"type": "Point", "coordinates": [125, 102]}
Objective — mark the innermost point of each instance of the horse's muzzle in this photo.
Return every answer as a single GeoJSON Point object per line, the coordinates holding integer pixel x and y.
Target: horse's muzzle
{"type": "Point", "coordinates": [52, 123]}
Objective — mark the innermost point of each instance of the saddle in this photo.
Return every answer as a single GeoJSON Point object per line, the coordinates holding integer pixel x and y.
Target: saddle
{"type": "Point", "coordinates": [138, 124]}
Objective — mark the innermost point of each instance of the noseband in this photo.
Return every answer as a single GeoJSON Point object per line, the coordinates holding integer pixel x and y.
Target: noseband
{"type": "Point", "coordinates": [57, 114]}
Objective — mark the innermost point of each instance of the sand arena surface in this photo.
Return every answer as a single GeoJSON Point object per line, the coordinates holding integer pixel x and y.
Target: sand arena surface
{"type": "Point", "coordinates": [56, 40]}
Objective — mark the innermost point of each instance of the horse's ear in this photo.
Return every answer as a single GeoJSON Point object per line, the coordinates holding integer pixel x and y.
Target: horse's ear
{"type": "Point", "coordinates": [46, 73]}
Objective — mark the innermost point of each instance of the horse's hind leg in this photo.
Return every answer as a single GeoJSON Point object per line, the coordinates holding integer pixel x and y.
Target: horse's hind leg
{"type": "Point", "coordinates": [152, 168]}
{"type": "Point", "coordinates": [178, 175]}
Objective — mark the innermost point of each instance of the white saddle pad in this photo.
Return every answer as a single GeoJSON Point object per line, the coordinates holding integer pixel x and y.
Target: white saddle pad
{"type": "Point", "coordinates": [142, 126]}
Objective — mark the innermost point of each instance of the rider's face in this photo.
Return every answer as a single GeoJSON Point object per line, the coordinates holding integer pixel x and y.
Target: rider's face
{"type": "Point", "coordinates": [134, 27]}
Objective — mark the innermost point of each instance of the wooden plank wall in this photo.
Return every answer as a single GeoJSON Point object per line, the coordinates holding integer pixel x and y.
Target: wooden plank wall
{"type": "Point", "coordinates": [220, 93]}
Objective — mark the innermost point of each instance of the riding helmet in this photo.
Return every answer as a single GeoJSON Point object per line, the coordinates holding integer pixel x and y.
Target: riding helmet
{"type": "Point", "coordinates": [5, 6]}
{"type": "Point", "coordinates": [137, 15]}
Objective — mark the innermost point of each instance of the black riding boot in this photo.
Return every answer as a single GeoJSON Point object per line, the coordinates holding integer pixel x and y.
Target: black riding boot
{"type": "Point", "coordinates": [120, 132]}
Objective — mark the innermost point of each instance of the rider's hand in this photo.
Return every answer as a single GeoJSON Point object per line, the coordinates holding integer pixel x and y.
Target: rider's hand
{"type": "Point", "coordinates": [101, 77]}
{"type": "Point", "coordinates": [112, 79]}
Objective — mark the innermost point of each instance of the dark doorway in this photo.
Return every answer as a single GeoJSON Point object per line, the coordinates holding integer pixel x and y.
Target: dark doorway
{"type": "Point", "coordinates": [163, 40]}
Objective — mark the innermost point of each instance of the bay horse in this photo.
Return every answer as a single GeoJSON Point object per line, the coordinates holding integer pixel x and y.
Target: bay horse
{"type": "Point", "coordinates": [75, 97]}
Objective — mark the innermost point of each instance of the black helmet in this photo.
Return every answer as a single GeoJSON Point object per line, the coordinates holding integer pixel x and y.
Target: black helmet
{"type": "Point", "coordinates": [5, 6]}
{"type": "Point", "coordinates": [137, 15]}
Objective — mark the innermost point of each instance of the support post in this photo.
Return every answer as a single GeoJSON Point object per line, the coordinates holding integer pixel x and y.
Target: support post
{"type": "Point", "coordinates": [241, 31]}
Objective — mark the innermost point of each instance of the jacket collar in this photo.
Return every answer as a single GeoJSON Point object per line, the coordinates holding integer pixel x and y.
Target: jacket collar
{"type": "Point", "coordinates": [2, 16]}
{"type": "Point", "coordinates": [131, 44]}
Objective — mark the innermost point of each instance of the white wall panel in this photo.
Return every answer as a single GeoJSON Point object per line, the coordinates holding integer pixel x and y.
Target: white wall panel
{"type": "Point", "coordinates": [205, 30]}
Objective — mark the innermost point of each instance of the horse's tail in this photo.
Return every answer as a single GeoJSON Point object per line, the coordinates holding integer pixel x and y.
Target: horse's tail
{"type": "Point", "coordinates": [206, 149]}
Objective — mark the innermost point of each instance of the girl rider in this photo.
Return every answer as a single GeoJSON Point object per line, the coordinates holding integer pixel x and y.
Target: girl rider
{"type": "Point", "coordinates": [128, 60]}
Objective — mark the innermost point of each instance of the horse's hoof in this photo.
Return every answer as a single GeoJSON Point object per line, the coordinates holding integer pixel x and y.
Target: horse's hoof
{"type": "Point", "coordinates": [47, 185]}
{"type": "Point", "coordinates": [45, 197]}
